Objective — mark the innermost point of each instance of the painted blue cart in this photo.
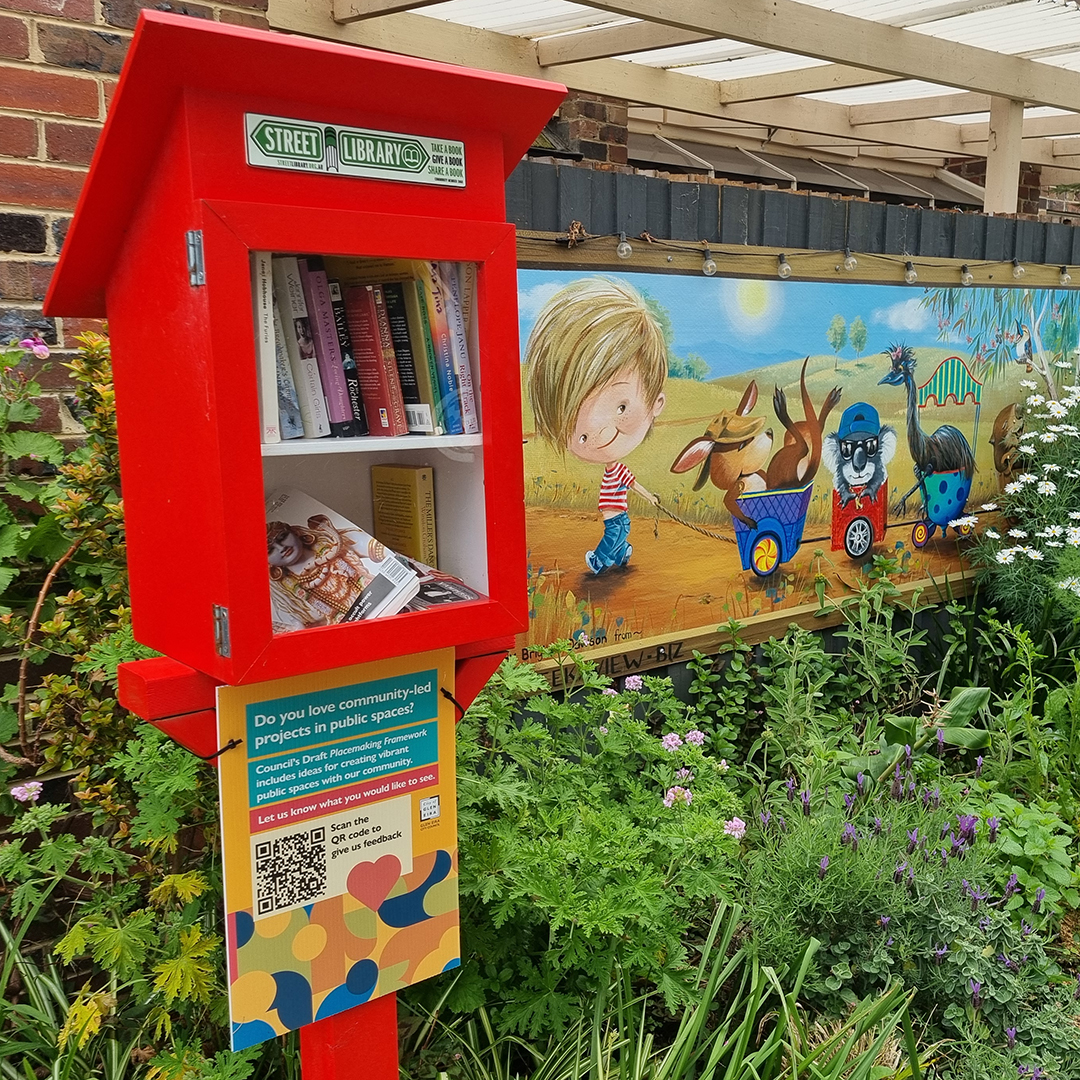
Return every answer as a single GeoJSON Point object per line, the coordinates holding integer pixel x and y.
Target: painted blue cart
{"type": "Point", "coordinates": [780, 517]}
{"type": "Point", "coordinates": [945, 496]}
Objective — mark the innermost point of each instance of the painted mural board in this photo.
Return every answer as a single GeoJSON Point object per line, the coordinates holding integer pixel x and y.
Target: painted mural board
{"type": "Point", "coordinates": [339, 830]}
{"type": "Point", "coordinates": [700, 449]}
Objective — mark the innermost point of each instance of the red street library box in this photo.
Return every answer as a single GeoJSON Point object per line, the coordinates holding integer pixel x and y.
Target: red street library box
{"type": "Point", "coordinates": [222, 142]}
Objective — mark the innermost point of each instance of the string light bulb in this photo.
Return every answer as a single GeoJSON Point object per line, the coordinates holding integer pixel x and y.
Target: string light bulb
{"type": "Point", "coordinates": [708, 263]}
{"type": "Point", "coordinates": [623, 248]}
{"type": "Point", "coordinates": [1064, 277]}
{"type": "Point", "coordinates": [1018, 270]}
{"type": "Point", "coordinates": [850, 262]}
{"type": "Point", "coordinates": [910, 273]}
{"type": "Point", "coordinates": [783, 267]}
{"type": "Point", "coordinates": [966, 276]}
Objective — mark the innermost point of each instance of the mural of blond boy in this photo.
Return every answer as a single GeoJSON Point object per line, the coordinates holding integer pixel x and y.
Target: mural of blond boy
{"type": "Point", "coordinates": [596, 361]}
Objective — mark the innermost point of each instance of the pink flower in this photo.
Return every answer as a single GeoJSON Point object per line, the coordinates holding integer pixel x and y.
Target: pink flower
{"type": "Point", "coordinates": [671, 742]}
{"type": "Point", "coordinates": [633, 682]}
{"type": "Point", "coordinates": [735, 827]}
{"type": "Point", "coordinates": [677, 794]}
{"type": "Point", "coordinates": [697, 738]}
{"type": "Point", "coordinates": [602, 729]}
{"type": "Point", "coordinates": [36, 346]}
{"type": "Point", "coordinates": [610, 691]}
{"type": "Point", "coordinates": [28, 792]}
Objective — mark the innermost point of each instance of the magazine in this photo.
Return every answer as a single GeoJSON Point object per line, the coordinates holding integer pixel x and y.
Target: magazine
{"type": "Point", "coordinates": [438, 587]}
{"type": "Point", "coordinates": [324, 569]}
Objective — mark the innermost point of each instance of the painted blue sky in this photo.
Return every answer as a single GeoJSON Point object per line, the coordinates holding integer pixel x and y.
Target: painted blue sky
{"type": "Point", "coordinates": [738, 324]}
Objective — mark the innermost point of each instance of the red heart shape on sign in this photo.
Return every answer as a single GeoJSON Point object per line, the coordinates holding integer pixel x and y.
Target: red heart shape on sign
{"type": "Point", "coordinates": [370, 882]}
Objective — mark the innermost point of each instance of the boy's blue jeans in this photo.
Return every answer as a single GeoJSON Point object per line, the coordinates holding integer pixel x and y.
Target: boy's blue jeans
{"type": "Point", "coordinates": [613, 548]}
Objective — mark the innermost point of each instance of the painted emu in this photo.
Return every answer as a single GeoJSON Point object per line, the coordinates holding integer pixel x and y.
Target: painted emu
{"type": "Point", "coordinates": [946, 450]}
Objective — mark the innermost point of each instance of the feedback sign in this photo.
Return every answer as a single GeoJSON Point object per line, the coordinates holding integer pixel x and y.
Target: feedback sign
{"type": "Point", "coordinates": [313, 753]}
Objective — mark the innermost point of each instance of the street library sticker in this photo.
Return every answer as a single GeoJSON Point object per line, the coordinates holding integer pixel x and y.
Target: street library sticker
{"type": "Point", "coordinates": [339, 838]}
{"type": "Point", "coordinates": [280, 142]}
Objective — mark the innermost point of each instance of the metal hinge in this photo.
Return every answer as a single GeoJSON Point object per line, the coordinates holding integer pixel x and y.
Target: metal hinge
{"type": "Point", "coordinates": [221, 631]}
{"type": "Point", "coordinates": [195, 264]}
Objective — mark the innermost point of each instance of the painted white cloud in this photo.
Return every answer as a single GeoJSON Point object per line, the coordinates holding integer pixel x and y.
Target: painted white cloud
{"type": "Point", "coordinates": [530, 301]}
{"type": "Point", "coordinates": [907, 315]}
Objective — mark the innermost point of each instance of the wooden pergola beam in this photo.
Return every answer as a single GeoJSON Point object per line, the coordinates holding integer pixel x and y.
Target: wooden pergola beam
{"type": "Point", "coordinates": [608, 41]}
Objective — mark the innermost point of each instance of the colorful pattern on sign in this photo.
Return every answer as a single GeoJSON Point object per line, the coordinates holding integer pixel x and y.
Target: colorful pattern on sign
{"type": "Point", "coordinates": [339, 826]}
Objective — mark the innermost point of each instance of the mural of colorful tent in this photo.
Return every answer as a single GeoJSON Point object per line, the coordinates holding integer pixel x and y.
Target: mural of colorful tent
{"type": "Point", "coordinates": [953, 379]}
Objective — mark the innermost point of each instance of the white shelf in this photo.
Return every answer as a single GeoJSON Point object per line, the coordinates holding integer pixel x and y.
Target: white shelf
{"type": "Point", "coordinates": [367, 444]}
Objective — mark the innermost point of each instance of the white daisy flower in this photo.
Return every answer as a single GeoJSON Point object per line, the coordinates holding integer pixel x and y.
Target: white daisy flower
{"type": "Point", "coordinates": [989, 506]}
{"type": "Point", "coordinates": [1055, 408]}
{"type": "Point", "coordinates": [1034, 554]}
{"type": "Point", "coordinates": [1013, 488]}
{"type": "Point", "coordinates": [1062, 364]}
{"type": "Point", "coordinates": [1026, 449]}
{"type": "Point", "coordinates": [1070, 584]}
{"type": "Point", "coordinates": [1047, 487]}
{"type": "Point", "coordinates": [1072, 536]}
{"type": "Point", "coordinates": [1075, 515]}
{"type": "Point", "coordinates": [1005, 556]}
{"type": "Point", "coordinates": [1072, 389]}
{"type": "Point", "coordinates": [1053, 530]}
{"type": "Point", "coordinates": [1048, 437]}
{"type": "Point", "coordinates": [1054, 543]}
{"type": "Point", "coordinates": [1026, 478]}
{"type": "Point", "coordinates": [1018, 534]}
{"type": "Point", "coordinates": [1029, 384]}
{"type": "Point", "coordinates": [993, 534]}
{"type": "Point", "coordinates": [1051, 467]}
{"type": "Point", "coordinates": [967, 519]}
{"type": "Point", "coordinates": [1036, 399]}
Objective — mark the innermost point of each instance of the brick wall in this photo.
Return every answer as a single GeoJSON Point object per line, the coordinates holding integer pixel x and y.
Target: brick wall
{"type": "Point", "coordinates": [59, 60]}
{"type": "Point", "coordinates": [1029, 191]}
{"type": "Point", "coordinates": [594, 127]}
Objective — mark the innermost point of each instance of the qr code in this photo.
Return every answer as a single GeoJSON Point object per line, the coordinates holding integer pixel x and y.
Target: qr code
{"type": "Point", "coordinates": [429, 808]}
{"type": "Point", "coordinates": [290, 870]}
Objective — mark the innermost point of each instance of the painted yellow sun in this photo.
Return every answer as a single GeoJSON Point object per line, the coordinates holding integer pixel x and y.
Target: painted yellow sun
{"type": "Point", "coordinates": [753, 307]}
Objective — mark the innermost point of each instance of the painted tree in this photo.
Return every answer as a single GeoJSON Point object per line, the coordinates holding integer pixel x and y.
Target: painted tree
{"type": "Point", "coordinates": [1036, 328]}
{"type": "Point", "coordinates": [857, 335]}
{"type": "Point", "coordinates": [837, 336]}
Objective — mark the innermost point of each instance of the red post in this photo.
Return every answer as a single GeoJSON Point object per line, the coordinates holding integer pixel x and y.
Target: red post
{"type": "Point", "coordinates": [361, 1044]}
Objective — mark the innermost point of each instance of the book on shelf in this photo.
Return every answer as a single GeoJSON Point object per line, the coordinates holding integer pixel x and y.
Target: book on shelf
{"type": "Point", "coordinates": [403, 501]}
{"type": "Point", "coordinates": [262, 295]}
{"type": "Point", "coordinates": [425, 362]}
{"type": "Point", "coordinates": [459, 342]}
{"type": "Point", "coordinates": [300, 348]}
{"type": "Point", "coordinates": [436, 588]}
{"type": "Point", "coordinates": [325, 569]}
{"type": "Point", "coordinates": [418, 413]}
{"type": "Point", "coordinates": [327, 347]}
{"type": "Point", "coordinates": [289, 416]}
{"type": "Point", "coordinates": [348, 357]}
{"type": "Point", "coordinates": [439, 330]}
{"type": "Point", "coordinates": [376, 363]}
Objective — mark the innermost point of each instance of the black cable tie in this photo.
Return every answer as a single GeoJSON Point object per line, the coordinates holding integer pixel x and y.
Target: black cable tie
{"type": "Point", "coordinates": [450, 697]}
{"type": "Point", "coordinates": [231, 744]}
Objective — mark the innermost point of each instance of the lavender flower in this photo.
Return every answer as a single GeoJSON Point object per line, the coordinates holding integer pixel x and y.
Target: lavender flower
{"type": "Point", "coordinates": [860, 781]}
{"type": "Point", "coordinates": [967, 824]}
{"type": "Point", "coordinates": [782, 823]}
{"type": "Point", "coordinates": [805, 797]}
{"type": "Point", "coordinates": [766, 817]}
{"type": "Point", "coordinates": [671, 742]}
{"type": "Point", "coordinates": [823, 866]}
{"type": "Point", "coordinates": [789, 785]}
{"type": "Point", "coordinates": [849, 804]}
{"type": "Point", "coordinates": [694, 737]}
{"type": "Point", "coordinates": [926, 799]}
{"type": "Point", "coordinates": [735, 827]}
{"type": "Point", "coordinates": [850, 836]}
{"type": "Point", "coordinates": [993, 824]}
{"type": "Point", "coordinates": [1010, 1037]}
{"type": "Point", "coordinates": [978, 766]}
{"type": "Point", "coordinates": [907, 755]}
{"type": "Point", "coordinates": [985, 923]}
{"type": "Point", "coordinates": [976, 992]}
{"type": "Point", "coordinates": [935, 798]}
{"type": "Point", "coordinates": [1040, 896]}
{"type": "Point", "coordinates": [911, 790]}
{"type": "Point", "coordinates": [884, 921]}
{"type": "Point", "coordinates": [912, 840]}
{"type": "Point", "coordinates": [940, 953]}
{"type": "Point", "coordinates": [896, 788]}
{"type": "Point", "coordinates": [1026, 929]}
{"type": "Point", "coordinates": [977, 897]}
{"type": "Point", "coordinates": [945, 828]}
{"type": "Point", "coordinates": [877, 826]}
{"type": "Point", "coordinates": [944, 857]}
{"type": "Point", "coordinates": [28, 792]}
{"type": "Point", "coordinates": [898, 873]}
{"type": "Point", "coordinates": [940, 741]}
{"type": "Point", "coordinates": [1012, 887]}
{"type": "Point", "coordinates": [633, 682]}
{"type": "Point", "coordinates": [1010, 965]}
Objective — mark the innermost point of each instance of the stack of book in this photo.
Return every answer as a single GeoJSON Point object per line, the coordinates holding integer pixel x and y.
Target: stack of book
{"type": "Point", "coordinates": [353, 346]}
